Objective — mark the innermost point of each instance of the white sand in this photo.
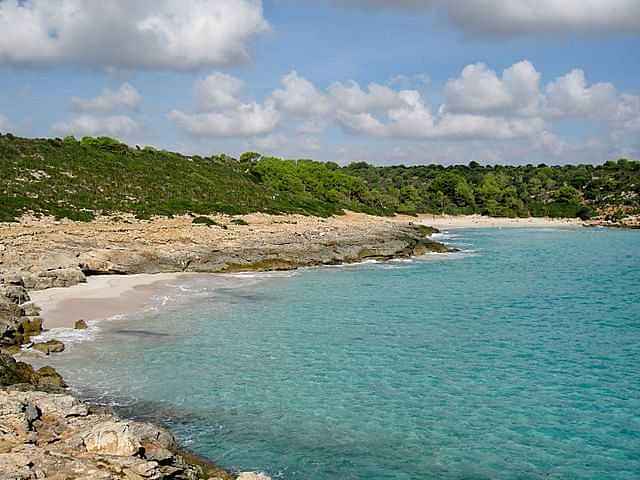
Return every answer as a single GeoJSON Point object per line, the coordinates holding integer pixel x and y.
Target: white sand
{"type": "Point", "coordinates": [478, 221]}
{"type": "Point", "coordinates": [100, 298]}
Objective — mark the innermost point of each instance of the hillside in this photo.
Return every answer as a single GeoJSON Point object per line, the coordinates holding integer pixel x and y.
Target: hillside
{"type": "Point", "coordinates": [78, 178]}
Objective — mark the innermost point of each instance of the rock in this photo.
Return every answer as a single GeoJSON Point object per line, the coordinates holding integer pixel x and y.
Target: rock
{"type": "Point", "coordinates": [60, 277]}
{"type": "Point", "coordinates": [12, 279]}
{"type": "Point", "coordinates": [112, 438]}
{"type": "Point", "coordinates": [28, 327]}
{"type": "Point", "coordinates": [11, 350]}
{"type": "Point", "coordinates": [52, 346]}
{"type": "Point", "coordinates": [15, 293]}
{"type": "Point", "coordinates": [49, 377]}
{"type": "Point", "coordinates": [11, 373]}
{"type": "Point", "coordinates": [80, 325]}
{"type": "Point", "coordinates": [31, 309]}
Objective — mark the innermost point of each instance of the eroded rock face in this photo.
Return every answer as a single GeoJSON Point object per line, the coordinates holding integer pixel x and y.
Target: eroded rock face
{"type": "Point", "coordinates": [45, 435]}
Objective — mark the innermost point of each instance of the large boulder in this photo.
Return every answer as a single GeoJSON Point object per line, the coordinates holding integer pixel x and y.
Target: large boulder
{"type": "Point", "coordinates": [112, 438]}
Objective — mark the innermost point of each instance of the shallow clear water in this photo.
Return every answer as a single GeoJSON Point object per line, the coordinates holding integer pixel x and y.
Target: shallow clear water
{"type": "Point", "coordinates": [518, 361]}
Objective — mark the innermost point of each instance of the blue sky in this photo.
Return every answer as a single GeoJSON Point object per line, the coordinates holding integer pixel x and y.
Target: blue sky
{"type": "Point", "coordinates": [485, 80]}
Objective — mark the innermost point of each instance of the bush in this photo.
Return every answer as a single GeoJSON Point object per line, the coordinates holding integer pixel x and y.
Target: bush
{"type": "Point", "coordinates": [208, 222]}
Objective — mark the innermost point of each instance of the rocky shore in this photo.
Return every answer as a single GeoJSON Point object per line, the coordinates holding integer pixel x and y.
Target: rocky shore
{"type": "Point", "coordinates": [45, 433]}
{"type": "Point", "coordinates": [47, 253]}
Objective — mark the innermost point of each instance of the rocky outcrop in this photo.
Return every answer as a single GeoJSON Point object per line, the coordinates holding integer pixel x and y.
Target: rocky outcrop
{"type": "Point", "coordinates": [19, 321]}
{"type": "Point", "coordinates": [13, 372]}
{"type": "Point", "coordinates": [61, 254]}
{"type": "Point", "coordinates": [45, 435]}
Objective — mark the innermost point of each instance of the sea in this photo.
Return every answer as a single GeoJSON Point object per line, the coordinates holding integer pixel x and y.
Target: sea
{"type": "Point", "coordinates": [517, 357]}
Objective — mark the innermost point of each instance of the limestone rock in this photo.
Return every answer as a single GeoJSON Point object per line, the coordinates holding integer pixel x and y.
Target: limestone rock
{"type": "Point", "coordinates": [112, 438]}
{"type": "Point", "coordinates": [49, 377]}
{"type": "Point", "coordinates": [61, 277]}
{"type": "Point", "coordinates": [49, 347]}
{"type": "Point", "coordinates": [14, 293]}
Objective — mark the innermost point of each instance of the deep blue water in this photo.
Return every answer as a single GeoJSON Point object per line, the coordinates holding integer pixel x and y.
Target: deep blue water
{"type": "Point", "coordinates": [518, 361]}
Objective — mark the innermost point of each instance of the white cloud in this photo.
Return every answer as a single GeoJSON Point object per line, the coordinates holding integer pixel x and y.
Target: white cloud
{"type": "Point", "coordinates": [526, 16]}
{"type": "Point", "coordinates": [481, 109]}
{"type": "Point", "coordinates": [218, 91]}
{"type": "Point", "coordinates": [222, 113]}
{"type": "Point", "coordinates": [301, 97]}
{"type": "Point", "coordinates": [90, 125]}
{"type": "Point", "coordinates": [126, 97]}
{"type": "Point", "coordinates": [479, 90]}
{"type": "Point", "coordinates": [246, 120]}
{"type": "Point", "coordinates": [149, 34]}
{"type": "Point", "coordinates": [5, 126]}
{"type": "Point", "coordinates": [569, 96]}
{"type": "Point", "coordinates": [351, 98]}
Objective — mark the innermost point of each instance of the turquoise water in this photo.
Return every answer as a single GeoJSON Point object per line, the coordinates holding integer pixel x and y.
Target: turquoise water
{"type": "Point", "coordinates": [517, 360]}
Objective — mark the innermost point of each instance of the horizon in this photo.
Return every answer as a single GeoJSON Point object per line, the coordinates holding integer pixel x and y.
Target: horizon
{"type": "Point", "coordinates": [410, 82]}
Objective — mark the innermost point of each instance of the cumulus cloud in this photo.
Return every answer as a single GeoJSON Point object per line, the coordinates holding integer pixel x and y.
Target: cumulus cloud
{"type": "Point", "coordinates": [247, 120]}
{"type": "Point", "coordinates": [148, 34]}
{"type": "Point", "coordinates": [301, 97]}
{"type": "Point", "coordinates": [125, 97]}
{"type": "Point", "coordinates": [90, 125]}
{"type": "Point", "coordinates": [526, 16]}
{"type": "Point", "coordinates": [222, 113]}
{"type": "Point", "coordinates": [480, 107]}
{"type": "Point", "coordinates": [218, 91]}
{"type": "Point", "coordinates": [570, 96]}
{"type": "Point", "coordinates": [479, 90]}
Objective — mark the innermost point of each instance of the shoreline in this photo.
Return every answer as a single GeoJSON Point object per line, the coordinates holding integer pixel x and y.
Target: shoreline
{"type": "Point", "coordinates": [100, 298]}
{"type": "Point", "coordinates": [317, 242]}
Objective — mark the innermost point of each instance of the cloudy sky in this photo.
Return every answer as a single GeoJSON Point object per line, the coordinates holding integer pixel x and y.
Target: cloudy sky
{"type": "Point", "coordinates": [387, 81]}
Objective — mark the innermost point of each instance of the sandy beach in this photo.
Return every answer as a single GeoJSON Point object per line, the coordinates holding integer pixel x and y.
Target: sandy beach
{"type": "Point", "coordinates": [479, 221]}
{"type": "Point", "coordinates": [100, 298]}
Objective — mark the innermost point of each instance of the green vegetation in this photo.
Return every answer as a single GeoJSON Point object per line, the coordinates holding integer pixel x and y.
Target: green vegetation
{"type": "Point", "coordinates": [208, 222]}
{"type": "Point", "coordinates": [76, 179]}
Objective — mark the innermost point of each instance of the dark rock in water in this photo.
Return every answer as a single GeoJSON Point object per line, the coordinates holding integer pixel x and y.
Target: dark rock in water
{"type": "Point", "coordinates": [52, 346]}
{"type": "Point", "coordinates": [80, 325]}
{"type": "Point", "coordinates": [141, 333]}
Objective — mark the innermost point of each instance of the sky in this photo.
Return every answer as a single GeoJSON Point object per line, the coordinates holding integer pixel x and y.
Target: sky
{"type": "Point", "coordinates": [384, 81]}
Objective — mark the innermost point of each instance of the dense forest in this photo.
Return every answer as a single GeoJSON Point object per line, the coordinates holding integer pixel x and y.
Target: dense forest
{"type": "Point", "coordinates": [76, 179]}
